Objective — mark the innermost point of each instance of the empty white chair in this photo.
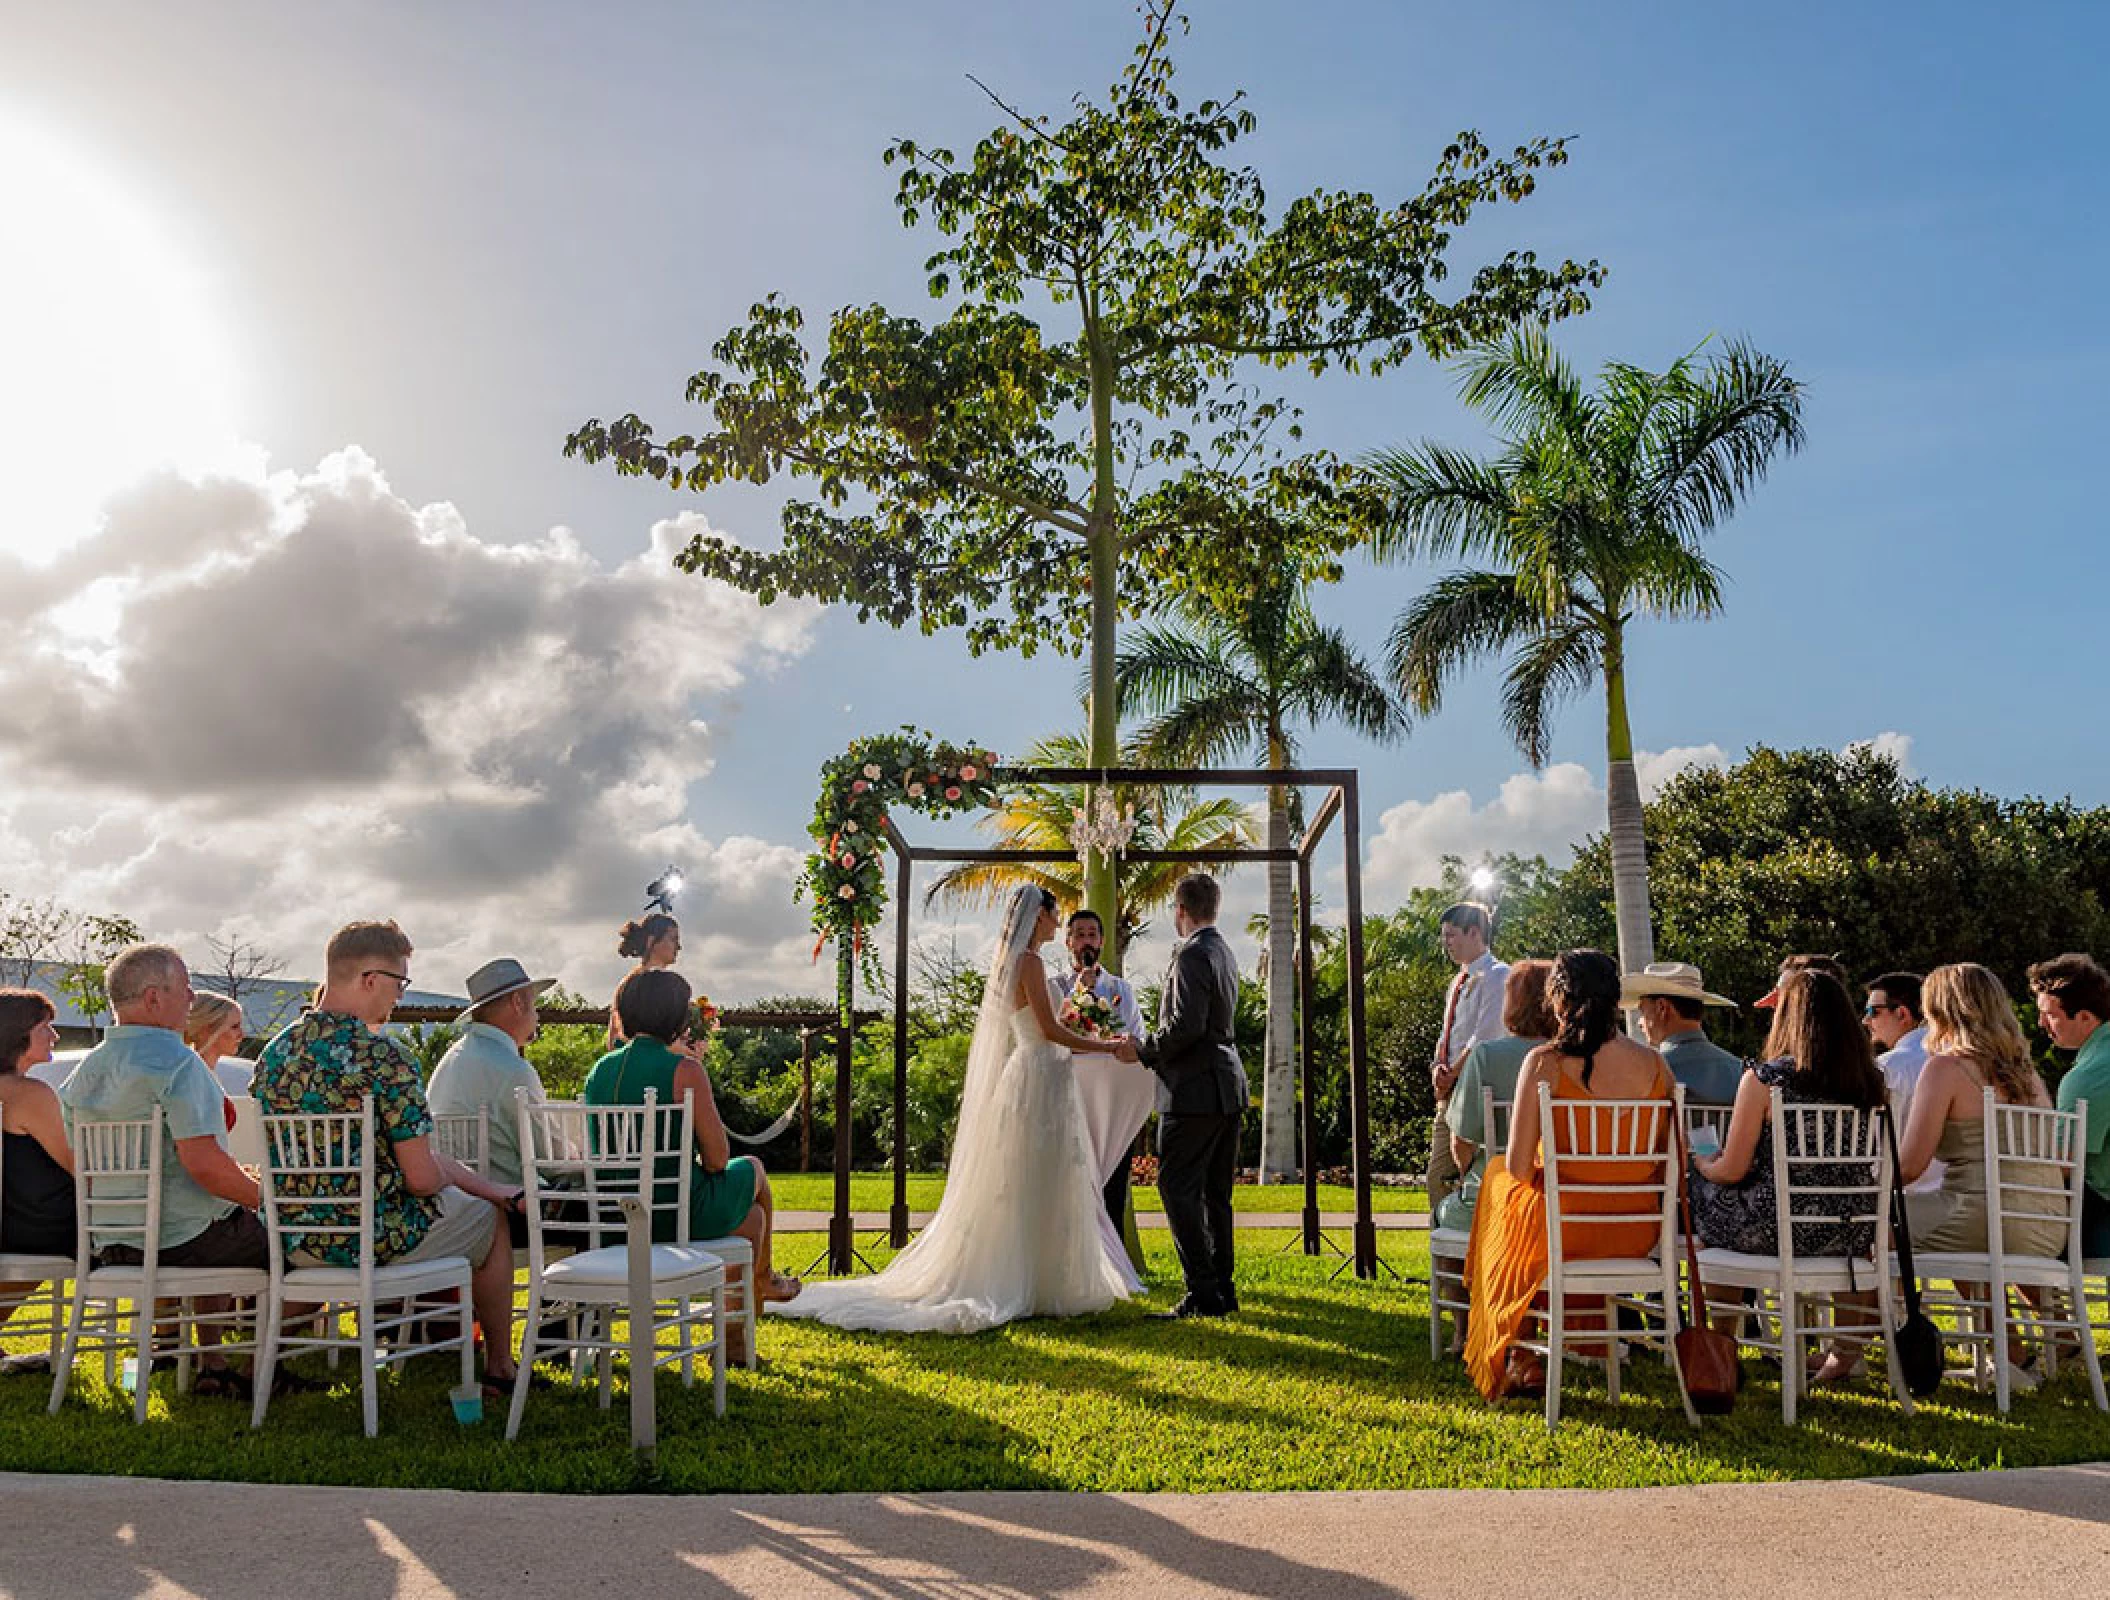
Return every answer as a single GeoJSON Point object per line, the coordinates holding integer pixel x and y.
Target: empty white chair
{"type": "Point", "coordinates": [1831, 1178]}
{"type": "Point", "coordinates": [2033, 1170]}
{"type": "Point", "coordinates": [318, 1181]}
{"type": "Point", "coordinates": [606, 1172]}
{"type": "Point", "coordinates": [1447, 1246]}
{"type": "Point", "coordinates": [42, 1309]}
{"type": "Point", "coordinates": [117, 1195]}
{"type": "Point", "coordinates": [1579, 1140]}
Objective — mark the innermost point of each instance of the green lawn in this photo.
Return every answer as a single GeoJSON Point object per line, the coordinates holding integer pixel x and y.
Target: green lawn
{"type": "Point", "coordinates": [874, 1191]}
{"type": "Point", "coordinates": [1320, 1383]}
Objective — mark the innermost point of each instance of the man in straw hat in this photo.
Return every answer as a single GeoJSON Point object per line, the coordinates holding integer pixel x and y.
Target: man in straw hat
{"type": "Point", "coordinates": [1671, 1000]}
{"type": "Point", "coordinates": [485, 1065]}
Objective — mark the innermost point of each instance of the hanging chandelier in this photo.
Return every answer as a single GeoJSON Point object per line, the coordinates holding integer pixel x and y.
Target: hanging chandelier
{"type": "Point", "coordinates": [1099, 825]}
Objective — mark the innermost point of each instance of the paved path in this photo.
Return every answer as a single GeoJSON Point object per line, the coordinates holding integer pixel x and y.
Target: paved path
{"type": "Point", "coordinates": [1332, 1221]}
{"type": "Point", "coordinates": [2046, 1531]}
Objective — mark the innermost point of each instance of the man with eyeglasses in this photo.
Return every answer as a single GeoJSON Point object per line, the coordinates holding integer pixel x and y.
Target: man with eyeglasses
{"type": "Point", "coordinates": [1892, 1017]}
{"type": "Point", "coordinates": [426, 1205]}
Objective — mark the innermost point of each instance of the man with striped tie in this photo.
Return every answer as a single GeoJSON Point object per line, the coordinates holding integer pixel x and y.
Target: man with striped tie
{"type": "Point", "coordinates": [1472, 1013]}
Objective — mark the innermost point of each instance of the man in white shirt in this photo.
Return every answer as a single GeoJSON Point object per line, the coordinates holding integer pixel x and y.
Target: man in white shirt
{"type": "Point", "coordinates": [1892, 1014]}
{"type": "Point", "coordinates": [488, 1062]}
{"type": "Point", "coordinates": [1472, 1014]}
{"type": "Point", "coordinates": [1116, 1098]}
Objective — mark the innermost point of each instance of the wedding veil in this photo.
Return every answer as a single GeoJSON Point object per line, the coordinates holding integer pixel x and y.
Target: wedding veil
{"type": "Point", "coordinates": [992, 1028]}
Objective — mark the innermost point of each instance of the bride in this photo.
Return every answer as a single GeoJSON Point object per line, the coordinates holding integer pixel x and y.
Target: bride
{"type": "Point", "coordinates": [1017, 1233]}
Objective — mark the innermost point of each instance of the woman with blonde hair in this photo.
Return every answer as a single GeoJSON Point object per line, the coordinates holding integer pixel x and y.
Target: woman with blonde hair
{"type": "Point", "coordinates": [216, 1028]}
{"type": "Point", "coordinates": [1974, 1042]}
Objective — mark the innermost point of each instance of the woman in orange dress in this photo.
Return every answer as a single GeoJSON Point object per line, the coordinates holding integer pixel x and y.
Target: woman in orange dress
{"type": "Point", "coordinates": [1588, 1058]}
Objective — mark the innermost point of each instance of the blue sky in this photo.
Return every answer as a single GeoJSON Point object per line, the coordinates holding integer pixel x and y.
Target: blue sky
{"type": "Point", "coordinates": [446, 235]}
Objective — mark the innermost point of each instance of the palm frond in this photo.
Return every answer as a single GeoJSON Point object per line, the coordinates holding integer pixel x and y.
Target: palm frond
{"type": "Point", "coordinates": [1546, 670]}
{"type": "Point", "coordinates": [1202, 731]}
{"type": "Point", "coordinates": [1717, 438]}
{"type": "Point", "coordinates": [1454, 622]}
{"type": "Point", "coordinates": [1441, 505]}
{"type": "Point", "coordinates": [1525, 386]}
{"type": "Point", "coordinates": [1334, 682]}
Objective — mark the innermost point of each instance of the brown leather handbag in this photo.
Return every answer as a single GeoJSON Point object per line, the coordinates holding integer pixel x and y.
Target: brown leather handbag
{"type": "Point", "coordinates": [1706, 1359]}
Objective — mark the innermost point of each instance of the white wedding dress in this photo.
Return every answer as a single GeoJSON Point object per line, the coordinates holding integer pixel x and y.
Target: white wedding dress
{"type": "Point", "coordinates": [1018, 1232]}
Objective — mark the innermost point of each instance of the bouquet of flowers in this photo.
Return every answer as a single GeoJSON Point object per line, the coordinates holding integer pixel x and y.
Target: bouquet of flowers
{"type": "Point", "coordinates": [703, 1019]}
{"type": "Point", "coordinates": [1087, 1012]}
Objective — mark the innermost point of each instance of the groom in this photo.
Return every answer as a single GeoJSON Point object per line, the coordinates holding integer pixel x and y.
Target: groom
{"type": "Point", "coordinates": [1201, 1098]}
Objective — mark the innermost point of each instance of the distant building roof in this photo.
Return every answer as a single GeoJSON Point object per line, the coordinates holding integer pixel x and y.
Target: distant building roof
{"type": "Point", "coordinates": [268, 1004]}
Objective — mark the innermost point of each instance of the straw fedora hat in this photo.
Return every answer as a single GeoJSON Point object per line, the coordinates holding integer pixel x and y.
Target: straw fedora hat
{"type": "Point", "coordinates": [495, 979]}
{"type": "Point", "coordinates": [1673, 980]}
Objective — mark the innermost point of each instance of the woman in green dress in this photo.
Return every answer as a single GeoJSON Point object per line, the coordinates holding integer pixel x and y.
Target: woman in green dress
{"type": "Point", "coordinates": [728, 1194]}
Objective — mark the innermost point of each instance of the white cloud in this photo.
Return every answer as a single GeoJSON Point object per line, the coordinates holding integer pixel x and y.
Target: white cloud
{"type": "Point", "coordinates": [1897, 746]}
{"type": "Point", "coordinates": [276, 704]}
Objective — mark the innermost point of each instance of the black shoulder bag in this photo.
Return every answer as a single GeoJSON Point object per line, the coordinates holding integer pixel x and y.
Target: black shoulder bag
{"type": "Point", "coordinates": [1915, 1344]}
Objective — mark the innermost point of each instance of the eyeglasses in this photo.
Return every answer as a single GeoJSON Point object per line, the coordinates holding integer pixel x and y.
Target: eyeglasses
{"type": "Point", "coordinates": [1872, 1009]}
{"type": "Point", "coordinates": [402, 978]}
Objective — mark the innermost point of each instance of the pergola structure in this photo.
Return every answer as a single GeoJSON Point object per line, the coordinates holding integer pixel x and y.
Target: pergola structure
{"type": "Point", "coordinates": [1341, 800]}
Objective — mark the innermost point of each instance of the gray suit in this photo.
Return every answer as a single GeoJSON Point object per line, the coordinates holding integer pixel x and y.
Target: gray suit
{"type": "Point", "coordinates": [1202, 1097]}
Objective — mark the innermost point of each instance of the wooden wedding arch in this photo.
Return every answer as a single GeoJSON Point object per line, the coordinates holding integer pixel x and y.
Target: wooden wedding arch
{"type": "Point", "coordinates": [1341, 801]}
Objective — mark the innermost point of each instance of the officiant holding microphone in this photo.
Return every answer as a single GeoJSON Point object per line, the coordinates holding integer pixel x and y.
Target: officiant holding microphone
{"type": "Point", "coordinates": [1116, 1098]}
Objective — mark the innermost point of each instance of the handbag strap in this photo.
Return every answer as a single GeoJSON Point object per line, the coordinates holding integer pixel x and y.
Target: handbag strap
{"type": "Point", "coordinates": [1900, 1224]}
{"type": "Point", "coordinates": [1696, 1297]}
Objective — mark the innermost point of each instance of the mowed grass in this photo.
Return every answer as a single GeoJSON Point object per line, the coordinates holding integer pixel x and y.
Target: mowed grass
{"type": "Point", "coordinates": [1321, 1383]}
{"type": "Point", "coordinates": [874, 1191]}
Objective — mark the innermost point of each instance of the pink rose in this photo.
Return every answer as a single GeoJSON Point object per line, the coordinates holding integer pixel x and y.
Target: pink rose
{"type": "Point", "coordinates": [872, 771]}
{"type": "Point", "coordinates": [968, 774]}
{"type": "Point", "coordinates": [859, 786]}
{"type": "Point", "coordinates": [952, 794]}
{"type": "Point", "coordinates": [848, 859]}
{"type": "Point", "coordinates": [915, 791]}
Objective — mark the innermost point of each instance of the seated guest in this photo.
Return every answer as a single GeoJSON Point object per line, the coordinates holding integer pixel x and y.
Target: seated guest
{"type": "Point", "coordinates": [208, 1203]}
{"type": "Point", "coordinates": [1672, 1002]}
{"type": "Point", "coordinates": [426, 1205]}
{"type": "Point", "coordinates": [1816, 1054]}
{"type": "Point", "coordinates": [1588, 1058]}
{"type": "Point", "coordinates": [36, 1163]}
{"type": "Point", "coordinates": [1492, 1064]}
{"type": "Point", "coordinates": [1973, 1041]}
{"type": "Point", "coordinates": [1830, 965]}
{"type": "Point", "coordinates": [728, 1194]}
{"type": "Point", "coordinates": [1892, 1013]}
{"type": "Point", "coordinates": [485, 1065]}
{"type": "Point", "coordinates": [216, 1028]}
{"type": "Point", "coordinates": [654, 943]}
{"type": "Point", "coordinates": [2073, 1002]}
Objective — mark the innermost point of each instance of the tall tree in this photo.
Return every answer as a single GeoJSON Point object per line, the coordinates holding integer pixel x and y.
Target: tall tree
{"type": "Point", "coordinates": [1027, 466]}
{"type": "Point", "coordinates": [1592, 514]}
{"type": "Point", "coordinates": [1037, 817]}
{"type": "Point", "coordinates": [1241, 680]}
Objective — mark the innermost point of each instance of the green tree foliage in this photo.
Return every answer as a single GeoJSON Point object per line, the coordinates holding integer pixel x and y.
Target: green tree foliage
{"type": "Point", "coordinates": [92, 942]}
{"type": "Point", "coordinates": [1080, 428]}
{"type": "Point", "coordinates": [1592, 514]}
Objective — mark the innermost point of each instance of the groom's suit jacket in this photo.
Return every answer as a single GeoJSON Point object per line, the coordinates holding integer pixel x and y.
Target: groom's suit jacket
{"type": "Point", "coordinates": [1194, 1050]}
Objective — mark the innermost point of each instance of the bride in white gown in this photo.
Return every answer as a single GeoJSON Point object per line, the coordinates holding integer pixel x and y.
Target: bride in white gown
{"type": "Point", "coordinates": [1017, 1233]}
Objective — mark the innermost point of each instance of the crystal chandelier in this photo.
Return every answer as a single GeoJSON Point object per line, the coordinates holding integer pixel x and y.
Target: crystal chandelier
{"type": "Point", "coordinates": [1098, 825]}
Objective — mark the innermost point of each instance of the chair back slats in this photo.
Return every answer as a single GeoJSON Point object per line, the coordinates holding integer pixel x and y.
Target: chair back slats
{"type": "Point", "coordinates": [579, 1162]}
{"type": "Point", "coordinates": [117, 1186]}
{"type": "Point", "coordinates": [318, 1179]}
{"type": "Point", "coordinates": [465, 1136]}
{"type": "Point", "coordinates": [2035, 1169]}
{"type": "Point", "coordinates": [1824, 1154]}
{"type": "Point", "coordinates": [1581, 1139]}
{"type": "Point", "coordinates": [1494, 1117]}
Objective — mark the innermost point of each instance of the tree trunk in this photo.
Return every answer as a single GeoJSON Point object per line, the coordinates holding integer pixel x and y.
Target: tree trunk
{"type": "Point", "coordinates": [1630, 903]}
{"type": "Point", "coordinates": [1100, 890]}
{"type": "Point", "coordinates": [1278, 1103]}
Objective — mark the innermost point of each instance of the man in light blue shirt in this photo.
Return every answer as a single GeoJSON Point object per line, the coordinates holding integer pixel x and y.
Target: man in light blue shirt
{"type": "Point", "coordinates": [1892, 1014]}
{"type": "Point", "coordinates": [208, 1203]}
{"type": "Point", "coordinates": [1672, 999]}
{"type": "Point", "coordinates": [486, 1064]}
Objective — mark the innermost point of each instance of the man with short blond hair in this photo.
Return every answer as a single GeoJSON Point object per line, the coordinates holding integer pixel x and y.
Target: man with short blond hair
{"type": "Point", "coordinates": [426, 1205]}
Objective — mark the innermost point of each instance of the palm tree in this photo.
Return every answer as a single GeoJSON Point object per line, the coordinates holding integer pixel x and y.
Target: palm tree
{"type": "Point", "coordinates": [1227, 683]}
{"type": "Point", "coordinates": [1592, 514]}
{"type": "Point", "coordinates": [1037, 817]}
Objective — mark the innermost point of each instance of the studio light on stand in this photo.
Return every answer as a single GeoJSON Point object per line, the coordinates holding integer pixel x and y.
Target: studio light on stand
{"type": "Point", "coordinates": [660, 892]}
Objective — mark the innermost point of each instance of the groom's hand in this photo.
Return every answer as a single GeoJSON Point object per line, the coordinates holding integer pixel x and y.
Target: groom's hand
{"type": "Point", "coordinates": [1125, 1050]}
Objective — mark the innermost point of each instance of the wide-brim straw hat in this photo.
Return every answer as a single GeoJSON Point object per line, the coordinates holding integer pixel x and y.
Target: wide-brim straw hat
{"type": "Point", "coordinates": [496, 979]}
{"type": "Point", "coordinates": [1671, 980]}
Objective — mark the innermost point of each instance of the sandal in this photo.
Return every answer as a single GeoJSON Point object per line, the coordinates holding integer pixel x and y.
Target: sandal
{"type": "Point", "coordinates": [222, 1383]}
{"type": "Point", "coordinates": [1523, 1376]}
{"type": "Point", "coordinates": [782, 1286]}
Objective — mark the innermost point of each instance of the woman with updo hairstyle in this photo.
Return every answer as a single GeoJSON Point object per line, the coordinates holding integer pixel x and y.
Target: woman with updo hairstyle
{"type": "Point", "coordinates": [728, 1194]}
{"type": "Point", "coordinates": [36, 1162]}
{"type": "Point", "coordinates": [216, 1028]}
{"type": "Point", "coordinates": [1588, 1058]}
{"type": "Point", "coordinates": [653, 941]}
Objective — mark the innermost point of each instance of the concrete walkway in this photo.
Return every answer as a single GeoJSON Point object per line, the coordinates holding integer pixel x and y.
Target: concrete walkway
{"type": "Point", "coordinates": [2044, 1532]}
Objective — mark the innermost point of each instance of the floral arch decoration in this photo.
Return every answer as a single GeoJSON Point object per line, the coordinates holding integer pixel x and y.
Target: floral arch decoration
{"type": "Point", "coordinates": [844, 877]}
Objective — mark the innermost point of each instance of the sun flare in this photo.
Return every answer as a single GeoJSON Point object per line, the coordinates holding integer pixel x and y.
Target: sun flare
{"type": "Point", "coordinates": [113, 357]}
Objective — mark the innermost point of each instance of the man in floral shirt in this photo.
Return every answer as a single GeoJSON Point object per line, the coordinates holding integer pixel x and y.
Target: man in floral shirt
{"type": "Point", "coordinates": [426, 1205]}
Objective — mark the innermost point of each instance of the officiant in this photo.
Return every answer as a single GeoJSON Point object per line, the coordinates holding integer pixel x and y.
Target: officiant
{"type": "Point", "coordinates": [1116, 1098]}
